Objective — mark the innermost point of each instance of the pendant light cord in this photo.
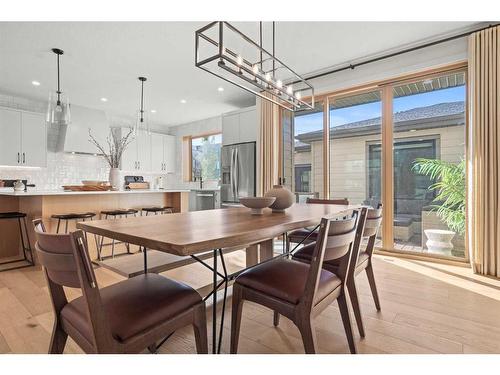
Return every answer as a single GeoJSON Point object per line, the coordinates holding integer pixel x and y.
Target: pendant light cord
{"type": "Point", "coordinates": [58, 82]}
{"type": "Point", "coordinates": [142, 101]}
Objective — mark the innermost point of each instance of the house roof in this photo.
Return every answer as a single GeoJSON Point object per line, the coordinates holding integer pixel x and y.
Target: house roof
{"type": "Point", "coordinates": [433, 116]}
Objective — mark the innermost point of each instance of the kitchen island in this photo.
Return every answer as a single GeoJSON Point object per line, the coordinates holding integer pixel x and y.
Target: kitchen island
{"type": "Point", "coordinates": [44, 204]}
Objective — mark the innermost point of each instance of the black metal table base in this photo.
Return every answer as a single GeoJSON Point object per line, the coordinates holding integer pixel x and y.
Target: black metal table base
{"type": "Point", "coordinates": [225, 279]}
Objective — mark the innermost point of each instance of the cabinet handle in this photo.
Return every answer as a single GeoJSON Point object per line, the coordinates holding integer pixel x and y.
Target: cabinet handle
{"type": "Point", "coordinates": [24, 158]}
{"type": "Point", "coordinates": [138, 165]}
{"type": "Point", "coordinates": [18, 158]}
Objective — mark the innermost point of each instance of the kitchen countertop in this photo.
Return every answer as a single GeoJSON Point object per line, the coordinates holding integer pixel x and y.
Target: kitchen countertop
{"type": "Point", "coordinates": [10, 192]}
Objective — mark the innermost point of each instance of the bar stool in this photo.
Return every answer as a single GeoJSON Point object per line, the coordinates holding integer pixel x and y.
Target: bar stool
{"type": "Point", "coordinates": [21, 219]}
{"type": "Point", "coordinates": [157, 210]}
{"type": "Point", "coordinates": [119, 213]}
{"type": "Point", "coordinates": [71, 216]}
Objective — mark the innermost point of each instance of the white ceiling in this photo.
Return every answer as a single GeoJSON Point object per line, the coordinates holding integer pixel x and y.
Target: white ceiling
{"type": "Point", "coordinates": [104, 60]}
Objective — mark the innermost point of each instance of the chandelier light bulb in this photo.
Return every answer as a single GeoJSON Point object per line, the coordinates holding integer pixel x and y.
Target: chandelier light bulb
{"type": "Point", "coordinates": [289, 90]}
{"type": "Point", "coordinates": [268, 77]}
{"type": "Point", "coordinates": [298, 95]}
{"type": "Point", "coordinates": [255, 69]}
{"type": "Point", "coordinates": [279, 83]}
{"type": "Point", "coordinates": [239, 60]}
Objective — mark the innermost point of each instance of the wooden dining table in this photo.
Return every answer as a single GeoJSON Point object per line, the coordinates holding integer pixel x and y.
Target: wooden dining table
{"type": "Point", "coordinates": [199, 232]}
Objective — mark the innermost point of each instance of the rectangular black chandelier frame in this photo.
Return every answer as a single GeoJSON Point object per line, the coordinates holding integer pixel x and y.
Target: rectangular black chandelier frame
{"type": "Point", "coordinates": [231, 62]}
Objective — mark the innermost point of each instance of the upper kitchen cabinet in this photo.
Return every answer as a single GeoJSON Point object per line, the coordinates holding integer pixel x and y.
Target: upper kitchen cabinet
{"type": "Point", "coordinates": [24, 138]}
{"type": "Point", "coordinates": [137, 156]}
{"type": "Point", "coordinates": [240, 126]}
{"type": "Point", "coordinates": [77, 135]}
{"type": "Point", "coordinates": [162, 153]}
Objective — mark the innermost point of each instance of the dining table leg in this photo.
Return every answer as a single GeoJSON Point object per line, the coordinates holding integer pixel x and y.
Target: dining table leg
{"type": "Point", "coordinates": [266, 250]}
{"type": "Point", "coordinates": [214, 304]}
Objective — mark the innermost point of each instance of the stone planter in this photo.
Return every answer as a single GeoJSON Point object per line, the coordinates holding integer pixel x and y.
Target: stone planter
{"type": "Point", "coordinates": [439, 241]}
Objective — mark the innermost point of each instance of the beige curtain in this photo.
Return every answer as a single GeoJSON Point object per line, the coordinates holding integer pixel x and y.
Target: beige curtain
{"type": "Point", "coordinates": [269, 144]}
{"type": "Point", "coordinates": [484, 151]}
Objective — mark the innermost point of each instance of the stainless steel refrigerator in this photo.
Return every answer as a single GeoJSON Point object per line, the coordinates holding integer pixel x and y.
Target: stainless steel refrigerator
{"type": "Point", "coordinates": [238, 172]}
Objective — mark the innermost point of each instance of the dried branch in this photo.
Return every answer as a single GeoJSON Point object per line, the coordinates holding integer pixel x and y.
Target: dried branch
{"type": "Point", "coordinates": [116, 146]}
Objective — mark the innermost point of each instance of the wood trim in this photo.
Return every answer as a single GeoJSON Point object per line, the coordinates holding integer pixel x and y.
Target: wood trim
{"type": "Point", "coordinates": [387, 169]}
{"type": "Point", "coordinates": [281, 147]}
{"type": "Point", "coordinates": [392, 80]}
{"type": "Point", "coordinates": [326, 148]}
{"type": "Point", "coordinates": [434, 258]}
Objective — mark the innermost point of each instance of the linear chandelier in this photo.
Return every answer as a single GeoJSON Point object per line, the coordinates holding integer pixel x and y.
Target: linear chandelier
{"type": "Point", "coordinates": [227, 53]}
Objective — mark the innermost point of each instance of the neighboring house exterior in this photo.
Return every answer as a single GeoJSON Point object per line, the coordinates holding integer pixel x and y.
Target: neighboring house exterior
{"type": "Point", "coordinates": [435, 131]}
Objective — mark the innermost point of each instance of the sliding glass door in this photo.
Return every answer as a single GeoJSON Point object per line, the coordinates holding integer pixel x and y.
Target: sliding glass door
{"type": "Point", "coordinates": [428, 157]}
{"type": "Point", "coordinates": [400, 143]}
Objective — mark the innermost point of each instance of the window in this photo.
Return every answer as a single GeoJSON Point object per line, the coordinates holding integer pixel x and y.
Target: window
{"type": "Point", "coordinates": [204, 156]}
{"type": "Point", "coordinates": [390, 142]}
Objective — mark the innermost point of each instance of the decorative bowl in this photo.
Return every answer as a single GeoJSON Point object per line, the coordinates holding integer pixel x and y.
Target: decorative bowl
{"type": "Point", "coordinates": [257, 204]}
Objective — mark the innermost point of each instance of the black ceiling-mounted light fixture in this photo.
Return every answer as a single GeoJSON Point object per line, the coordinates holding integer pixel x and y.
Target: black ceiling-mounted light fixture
{"type": "Point", "coordinates": [142, 124]}
{"type": "Point", "coordinates": [58, 110]}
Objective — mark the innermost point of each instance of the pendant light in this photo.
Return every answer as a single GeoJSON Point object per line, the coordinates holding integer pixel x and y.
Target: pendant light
{"type": "Point", "coordinates": [142, 124]}
{"type": "Point", "coordinates": [58, 110]}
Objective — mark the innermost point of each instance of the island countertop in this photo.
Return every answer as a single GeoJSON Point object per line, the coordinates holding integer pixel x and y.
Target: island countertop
{"type": "Point", "coordinates": [30, 193]}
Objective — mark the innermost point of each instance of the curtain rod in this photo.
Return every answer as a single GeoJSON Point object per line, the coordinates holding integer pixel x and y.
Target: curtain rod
{"type": "Point", "coordinates": [383, 57]}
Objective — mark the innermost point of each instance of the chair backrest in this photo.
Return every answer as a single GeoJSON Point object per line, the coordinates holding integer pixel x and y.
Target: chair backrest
{"type": "Point", "coordinates": [341, 238]}
{"type": "Point", "coordinates": [373, 222]}
{"type": "Point", "coordinates": [66, 263]}
{"type": "Point", "coordinates": [342, 201]}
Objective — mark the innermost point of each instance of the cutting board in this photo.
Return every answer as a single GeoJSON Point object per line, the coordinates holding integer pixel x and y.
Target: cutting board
{"type": "Point", "coordinates": [138, 185]}
{"type": "Point", "coordinates": [87, 188]}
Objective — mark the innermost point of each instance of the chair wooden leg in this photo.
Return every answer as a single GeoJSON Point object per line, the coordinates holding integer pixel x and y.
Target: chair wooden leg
{"type": "Point", "coordinates": [200, 329]}
{"type": "Point", "coordinates": [58, 339]}
{"type": "Point", "coordinates": [237, 309]}
{"type": "Point", "coordinates": [373, 286]}
{"type": "Point", "coordinates": [276, 319]}
{"type": "Point", "coordinates": [308, 336]}
{"type": "Point", "coordinates": [346, 320]}
{"type": "Point", "coordinates": [353, 296]}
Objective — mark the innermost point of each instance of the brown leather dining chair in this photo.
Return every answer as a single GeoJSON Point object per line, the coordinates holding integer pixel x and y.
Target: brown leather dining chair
{"type": "Point", "coordinates": [126, 317]}
{"type": "Point", "coordinates": [300, 291]}
{"type": "Point", "coordinates": [372, 225]}
{"type": "Point", "coordinates": [299, 234]}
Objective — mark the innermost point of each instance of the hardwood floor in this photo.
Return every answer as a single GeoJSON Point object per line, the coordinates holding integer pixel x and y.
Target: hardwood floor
{"type": "Point", "coordinates": [426, 308]}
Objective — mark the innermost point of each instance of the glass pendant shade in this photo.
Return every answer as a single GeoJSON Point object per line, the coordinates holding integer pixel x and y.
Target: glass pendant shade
{"type": "Point", "coordinates": [142, 124]}
{"type": "Point", "coordinates": [58, 110]}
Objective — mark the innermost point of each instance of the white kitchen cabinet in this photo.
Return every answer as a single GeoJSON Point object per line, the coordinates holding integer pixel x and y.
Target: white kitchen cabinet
{"type": "Point", "coordinates": [10, 137]}
{"type": "Point", "coordinates": [23, 140]}
{"type": "Point", "coordinates": [33, 139]}
{"type": "Point", "coordinates": [169, 153]}
{"type": "Point", "coordinates": [157, 158]}
{"type": "Point", "coordinates": [137, 156]}
{"type": "Point", "coordinates": [162, 153]}
{"type": "Point", "coordinates": [230, 129]}
{"type": "Point", "coordinates": [240, 126]}
{"type": "Point", "coordinates": [248, 126]}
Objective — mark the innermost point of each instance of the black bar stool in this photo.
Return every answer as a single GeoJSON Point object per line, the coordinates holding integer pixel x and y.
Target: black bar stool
{"type": "Point", "coordinates": [114, 214]}
{"type": "Point", "coordinates": [21, 219]}
{"type": "Point", "coordinates": [74, 216]}
{"type": "Point", "coordinates": [71, 216]}
{"type": "Point", "coordinates": [157, 210]}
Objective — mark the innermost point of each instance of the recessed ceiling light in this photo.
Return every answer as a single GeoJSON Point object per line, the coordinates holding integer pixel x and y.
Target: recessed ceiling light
{"type": "Point", "coordinates": [104, 99]}
{"type": "Point", "coordinates": [35, 83]}
{"type": "Point", "coordinates": [183, 101]}
{"type": "Point", "coordinates": [153, 111]}
{"type": "Point", "coordinates": [220, 89]}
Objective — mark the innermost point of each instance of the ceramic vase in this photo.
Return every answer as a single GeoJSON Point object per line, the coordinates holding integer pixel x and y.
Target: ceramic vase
{"type": "Point", "coordinates": [284, 198]}
{"type": "Point", "coordinates": [114, 178]}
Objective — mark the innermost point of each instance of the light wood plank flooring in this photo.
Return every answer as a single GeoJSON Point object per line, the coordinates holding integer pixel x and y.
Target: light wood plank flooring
{"type": "Point", "coordinates": [426, 308]}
